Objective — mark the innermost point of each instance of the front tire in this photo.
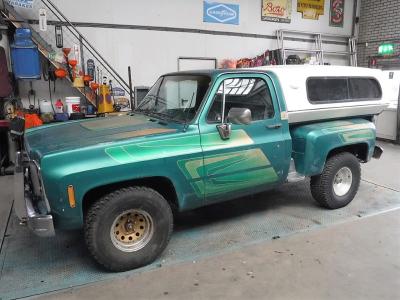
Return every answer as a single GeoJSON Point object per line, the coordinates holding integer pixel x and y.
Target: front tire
{"type": "Point", "coordinates": [128, 228]}
{"type": "Point", "coordinates": [338, 183]}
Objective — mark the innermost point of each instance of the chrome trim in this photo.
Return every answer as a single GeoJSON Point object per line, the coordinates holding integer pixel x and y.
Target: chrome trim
{"type": "Point", "coordinates": [46, 201]}
{"type": "Point", "coordinates": [41, 224]}
{"type": "Point", "coordinates": [19, 187]}
{"type": "Point", "coordinates": [335, 112]}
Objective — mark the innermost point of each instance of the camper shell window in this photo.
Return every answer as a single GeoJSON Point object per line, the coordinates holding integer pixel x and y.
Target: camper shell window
{"type": "Point", "coordinates": [342, 89]}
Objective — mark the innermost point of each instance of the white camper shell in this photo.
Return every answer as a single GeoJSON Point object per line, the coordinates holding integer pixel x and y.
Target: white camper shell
{"type": "Point", "coordinates": [328, 92]}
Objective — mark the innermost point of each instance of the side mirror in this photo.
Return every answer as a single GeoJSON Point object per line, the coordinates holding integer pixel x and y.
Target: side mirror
{"type": "Point", "coordinates": [224, 130]}
{"type": "Point", "coordinates": [237, 115]}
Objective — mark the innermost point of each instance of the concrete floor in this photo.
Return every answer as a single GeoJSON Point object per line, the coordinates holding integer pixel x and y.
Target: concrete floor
{"type": "Point", "coordinates": [355, 260]}
{"type": "Point", "coordinates": [358, 259]}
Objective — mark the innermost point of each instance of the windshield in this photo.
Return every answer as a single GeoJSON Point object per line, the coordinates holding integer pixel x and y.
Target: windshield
{"type": "Point", "coordinates": [175, 97]}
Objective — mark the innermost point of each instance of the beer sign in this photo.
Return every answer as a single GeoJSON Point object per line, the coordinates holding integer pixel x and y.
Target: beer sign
{"type": "Point", "coordinates": [311, 9]}
{"type": "Point", "coordinates": [336, 15]}
{"type": "Point", "coordinates": [276, 11]}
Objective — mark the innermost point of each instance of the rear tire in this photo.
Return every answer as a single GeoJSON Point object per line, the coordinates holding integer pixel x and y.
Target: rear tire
{"type": "Point", "coordinates": [338, 183]}
{"type": "Point", "coordinates": [128, 228]}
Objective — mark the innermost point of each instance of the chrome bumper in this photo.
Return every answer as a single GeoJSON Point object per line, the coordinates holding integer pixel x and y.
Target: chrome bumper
{"type": "Point", "coordinates": [25, 207]}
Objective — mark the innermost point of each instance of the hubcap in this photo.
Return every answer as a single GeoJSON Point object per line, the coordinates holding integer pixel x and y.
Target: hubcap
{"type": "Point", "coordinates": [132, 230]}
{"type": "Point", "coordinates": [342, 181]}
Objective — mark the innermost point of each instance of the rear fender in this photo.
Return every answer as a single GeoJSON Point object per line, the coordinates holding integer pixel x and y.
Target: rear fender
{"type": "Point", "coordinates": [314, 143]}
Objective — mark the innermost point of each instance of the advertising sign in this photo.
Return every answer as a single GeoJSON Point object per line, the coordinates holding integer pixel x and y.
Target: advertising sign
{"type": "Point", "coordinates": [276, 11]}
{"type": "Point", "coordinates": [311, 9]}
{"type": "Point", "coordinates": [336, 15]}
{"type": "Point", "coordinates": [214, 12]}
{"type": "Point", "coordinates": [21, 3]}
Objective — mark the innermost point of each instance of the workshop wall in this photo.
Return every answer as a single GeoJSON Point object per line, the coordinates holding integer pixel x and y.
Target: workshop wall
{"type": "Point", "coordinates": [379, 23]}
{"type": "Point", "coordinates": [154, 47]}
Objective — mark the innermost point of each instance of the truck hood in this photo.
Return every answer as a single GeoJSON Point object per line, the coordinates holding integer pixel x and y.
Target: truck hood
{"type": "Point", "coordinates": [74, 135]}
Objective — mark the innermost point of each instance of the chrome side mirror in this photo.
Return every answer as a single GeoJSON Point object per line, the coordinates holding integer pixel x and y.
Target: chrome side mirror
{"type": "Point", "coordinates": [238, 115]}
{"type": "Point", "coordinates": [224, 130]}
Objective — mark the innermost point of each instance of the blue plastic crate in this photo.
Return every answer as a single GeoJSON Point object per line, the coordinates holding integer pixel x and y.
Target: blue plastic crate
{"type": "Point", "coordinates": [25, 62]}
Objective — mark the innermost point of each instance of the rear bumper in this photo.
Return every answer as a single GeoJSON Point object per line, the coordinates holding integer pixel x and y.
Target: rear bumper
{"type": "Point", "coordinates": [26, 203]}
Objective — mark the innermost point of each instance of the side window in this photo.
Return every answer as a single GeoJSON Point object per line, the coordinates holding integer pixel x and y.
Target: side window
{"type": "Point", "coordinates": [364, 88]}
{"type": "Point", "coordinates": [251, 93]}
{"type": "Point", "coordinates": [327, 89]}
{"type": "Point", "coordinates": [331, 89]}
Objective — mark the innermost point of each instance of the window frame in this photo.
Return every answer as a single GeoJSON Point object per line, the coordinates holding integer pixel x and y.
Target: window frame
{"type": "Point", "coordinates": [240, 77]}
{"type": "Point", "coordinates": [348, 99]}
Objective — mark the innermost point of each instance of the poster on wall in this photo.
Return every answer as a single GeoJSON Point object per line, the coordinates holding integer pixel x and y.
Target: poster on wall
{"type": "Point", "coordinates": [311, 9]}
{"type": "Point", "coordinates": [336, 15]}
{"type": "Point", "coordinates": [276, 11]}
{"type": "Point", "coordinates": [21, 3]}
{"type": "Point", "coordinates": [215, 12]}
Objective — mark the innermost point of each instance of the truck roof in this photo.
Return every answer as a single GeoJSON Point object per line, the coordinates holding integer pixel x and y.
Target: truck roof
{"type": "Point", "coordinates": [302, 70]}
{"type": "Point", "coordinates": [293, 80]}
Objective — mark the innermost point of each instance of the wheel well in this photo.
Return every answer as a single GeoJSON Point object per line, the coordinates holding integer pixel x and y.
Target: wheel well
{"type": "Point", "coordinates": [162, 185]}
{"type": "Point", "coordinates": [358, 150]}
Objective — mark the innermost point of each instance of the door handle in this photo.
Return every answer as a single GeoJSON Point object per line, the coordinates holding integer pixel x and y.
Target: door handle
{"type": "Point", "coordinates": [274, 126]}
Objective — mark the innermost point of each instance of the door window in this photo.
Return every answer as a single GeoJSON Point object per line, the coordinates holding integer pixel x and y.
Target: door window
{"type": "Point", "coordinates": [251, 93]}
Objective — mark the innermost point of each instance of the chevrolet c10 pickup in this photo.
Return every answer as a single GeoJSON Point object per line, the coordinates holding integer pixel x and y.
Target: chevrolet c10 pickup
{"type": "Point", "coordinates": [197, 138]}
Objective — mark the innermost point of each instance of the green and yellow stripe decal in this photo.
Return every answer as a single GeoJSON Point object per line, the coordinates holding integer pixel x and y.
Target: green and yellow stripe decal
{"type": "Point", "coordinates": [228, 172]}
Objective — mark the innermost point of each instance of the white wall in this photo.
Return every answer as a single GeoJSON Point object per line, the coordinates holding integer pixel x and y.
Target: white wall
{"type": "Point", "coordinates": [151, 53]}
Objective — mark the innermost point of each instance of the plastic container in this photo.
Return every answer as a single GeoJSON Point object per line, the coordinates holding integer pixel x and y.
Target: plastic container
{"type": "Point", "coordinates": [59, 107]}
{"type": "Point", "coordinates": [23, 37]}
{"type": "Point", "coordinates": [25, 62]}
{"type": "Point", "coordinates": [73, 104]}
{"type": "Point", "coordinates": [45, 107]}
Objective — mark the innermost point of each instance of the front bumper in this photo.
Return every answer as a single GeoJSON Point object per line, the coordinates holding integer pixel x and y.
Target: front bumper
{"type": "Point", "coordinates": [30, 201]}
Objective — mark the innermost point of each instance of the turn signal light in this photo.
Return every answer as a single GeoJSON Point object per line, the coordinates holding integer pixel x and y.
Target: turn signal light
{"type": "Point", "coordinates": [71, 196]}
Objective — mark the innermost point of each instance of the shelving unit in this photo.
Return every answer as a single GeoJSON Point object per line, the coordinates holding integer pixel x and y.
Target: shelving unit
{"type": "Point", "coordinates": [319, 39]}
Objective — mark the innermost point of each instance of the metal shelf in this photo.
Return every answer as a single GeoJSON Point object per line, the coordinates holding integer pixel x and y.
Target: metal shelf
{"type": "Point", "coordinates": [318, 39]}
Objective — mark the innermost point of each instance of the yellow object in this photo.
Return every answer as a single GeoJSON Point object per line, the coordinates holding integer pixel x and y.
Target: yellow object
{"type": "Point", "coordinates": [78, 82]}
{"type": "Point", "coordinates": [71, 196]}
{"type": "Point", "coordinates": [105, 101]}
{"type": "Point", "coordinates": [311, 9]}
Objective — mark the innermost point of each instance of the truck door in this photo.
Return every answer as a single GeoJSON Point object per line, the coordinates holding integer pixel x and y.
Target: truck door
{"type": "Point", "coordinates": [254, 157]}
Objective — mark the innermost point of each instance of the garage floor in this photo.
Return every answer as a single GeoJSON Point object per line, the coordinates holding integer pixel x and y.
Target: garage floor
{"type": "Point", "coordinates": [278, 244]}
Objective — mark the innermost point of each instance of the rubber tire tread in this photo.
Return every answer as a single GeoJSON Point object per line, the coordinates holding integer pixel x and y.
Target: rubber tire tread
{"type": "Point", "coordinates": [321, 185]}
{"type": "Point", "coordinates": [93, 219]}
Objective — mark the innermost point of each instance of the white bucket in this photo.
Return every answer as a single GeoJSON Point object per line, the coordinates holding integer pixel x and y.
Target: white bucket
{"type": "Point", "coordinates": [45, 107]}
{"type": "Point", "coordinates": [73, 104]}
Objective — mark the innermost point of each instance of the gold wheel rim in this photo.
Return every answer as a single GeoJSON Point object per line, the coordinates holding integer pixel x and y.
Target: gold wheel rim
{"type": "Point", "coordinates": [132, 230]}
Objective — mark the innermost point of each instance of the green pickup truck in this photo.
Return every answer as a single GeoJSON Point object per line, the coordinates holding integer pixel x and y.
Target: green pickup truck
{"type": "Point", "coordinates": [197, 138]}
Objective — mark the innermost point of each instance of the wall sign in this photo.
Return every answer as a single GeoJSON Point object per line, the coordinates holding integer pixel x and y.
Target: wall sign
{"type": "Point", "coordinates": [21, 3]}
{"type": "Point", "coordinates": [276, 11]}
{"type": "Point", "coordinates": [311, 9]}
{"type": "Point", "coordinates": [336, 15]}
{"type": "Point", "coordinates": [214, 12]}
{"type": "Point", "coordinates": [386, 49]}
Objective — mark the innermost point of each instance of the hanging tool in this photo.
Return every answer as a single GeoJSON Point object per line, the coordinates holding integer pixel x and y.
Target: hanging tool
{"type": "Point", "coordinates": [59, 36]}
